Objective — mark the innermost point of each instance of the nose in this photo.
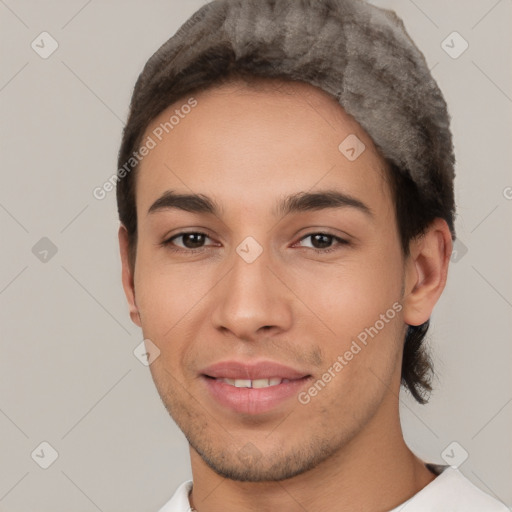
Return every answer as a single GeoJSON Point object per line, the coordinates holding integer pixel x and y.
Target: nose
{"type": "Point", "coordinates": [253, 300]}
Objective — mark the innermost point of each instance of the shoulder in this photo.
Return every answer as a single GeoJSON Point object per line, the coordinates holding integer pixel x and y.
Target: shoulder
{"type": "Point", "coordinates": [451, 490]}
{"type": "Point", "coordinates": [179, 501]}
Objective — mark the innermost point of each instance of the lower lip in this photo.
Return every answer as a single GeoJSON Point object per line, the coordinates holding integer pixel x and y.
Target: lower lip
{"type": "Point", "coordinates": [253, 400]}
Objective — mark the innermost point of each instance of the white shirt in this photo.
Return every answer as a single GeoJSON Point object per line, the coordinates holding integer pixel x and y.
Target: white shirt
{"type": "Point", "coordinates": [451, 491]}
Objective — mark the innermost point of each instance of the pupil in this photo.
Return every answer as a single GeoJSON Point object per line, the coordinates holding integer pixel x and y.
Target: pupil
{"type": "Point", "coordinates": [321, 241]}
{"type": "Point", "coordinates": [193, 240]}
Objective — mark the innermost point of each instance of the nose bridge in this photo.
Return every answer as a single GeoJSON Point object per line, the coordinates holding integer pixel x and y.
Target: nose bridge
{"type": "Point", "coordinates": [250, 296]}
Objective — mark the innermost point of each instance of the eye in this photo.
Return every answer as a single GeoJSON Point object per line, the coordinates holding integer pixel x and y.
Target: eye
{"type": "Point", "coordinates": [323, 242]}
{"type": "Point", "coordinates": [187, 241]}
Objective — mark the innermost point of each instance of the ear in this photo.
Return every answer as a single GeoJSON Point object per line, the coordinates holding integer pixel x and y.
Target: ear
{"type": "Point", "coordinates": [426, 272]}
{"type": "Point", "coordinates": [127, 275]}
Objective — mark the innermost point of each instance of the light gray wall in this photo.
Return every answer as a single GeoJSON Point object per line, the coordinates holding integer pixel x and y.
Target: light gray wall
{"type": "Point", "coordinates": [68, 375]}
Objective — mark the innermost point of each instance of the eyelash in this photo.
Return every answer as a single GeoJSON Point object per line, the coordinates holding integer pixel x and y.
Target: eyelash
{"type": "Point", "coordinates": [169, 243]}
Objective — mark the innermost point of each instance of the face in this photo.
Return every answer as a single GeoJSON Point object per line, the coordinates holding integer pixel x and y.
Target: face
{"type": "Point", "coordinates": [275, 296]}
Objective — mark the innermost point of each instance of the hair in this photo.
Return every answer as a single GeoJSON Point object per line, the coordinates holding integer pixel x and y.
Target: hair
{"type": "Point", "coordinates": [359, 54]}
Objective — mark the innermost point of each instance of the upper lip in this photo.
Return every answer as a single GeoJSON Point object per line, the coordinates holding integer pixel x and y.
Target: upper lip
{"type": "Point", "coordinates": [252, 371]}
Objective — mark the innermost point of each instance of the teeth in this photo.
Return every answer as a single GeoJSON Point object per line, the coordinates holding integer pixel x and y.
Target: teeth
{"type": "Point", "coordinates": [256, 383]}
{"type": "Point", "coordinates": [242, 383]}
{"type": "Point", "coordinates": [264, 383]}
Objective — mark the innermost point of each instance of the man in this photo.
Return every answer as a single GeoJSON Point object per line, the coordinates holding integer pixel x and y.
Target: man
{"type": "Point", "coordinates": [286, 203]}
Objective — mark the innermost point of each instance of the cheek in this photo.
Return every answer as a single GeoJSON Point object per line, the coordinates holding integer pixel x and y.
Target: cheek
{"type": "Point", "coordinates": [350, 296]}
{"type": "Point", "coordinates": [172, 301]}
{"type": "Point", "coordinates": [358, 318]}
{"type": "Point", "coordinates": [164, 295]}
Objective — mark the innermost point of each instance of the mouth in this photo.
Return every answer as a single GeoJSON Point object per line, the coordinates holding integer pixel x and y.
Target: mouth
{"type": "Point", "coordinates": [254, 388]}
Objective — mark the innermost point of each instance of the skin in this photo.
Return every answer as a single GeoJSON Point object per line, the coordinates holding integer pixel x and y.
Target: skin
{"type": "Point", "coordinates": [246, 148]}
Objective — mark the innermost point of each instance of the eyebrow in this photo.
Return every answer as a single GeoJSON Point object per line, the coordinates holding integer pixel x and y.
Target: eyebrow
{"type": "Point", "coordinates": [194, 203]}
{"type": "Point", "coordinates": [295, 203]}
{"type": "Point", "coordinates": [321, 200]}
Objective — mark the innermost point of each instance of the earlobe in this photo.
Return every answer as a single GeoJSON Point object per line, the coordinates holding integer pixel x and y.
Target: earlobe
{"type": "Point", "coordinates": [426, 272]}
{"type": "Point", "coordinates": [127, 275]}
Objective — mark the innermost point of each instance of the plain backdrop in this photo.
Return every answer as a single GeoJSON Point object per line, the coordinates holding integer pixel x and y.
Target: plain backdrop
{"type": "Point", "coordinates": [68, 374]}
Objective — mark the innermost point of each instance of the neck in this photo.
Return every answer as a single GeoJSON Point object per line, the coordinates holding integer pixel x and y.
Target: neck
{"type": "Point", "coordinates": [375, 471]}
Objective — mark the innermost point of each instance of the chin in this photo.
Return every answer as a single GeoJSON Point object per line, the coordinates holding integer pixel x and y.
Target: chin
{"type": "Point", "coordinates": [250, 465]}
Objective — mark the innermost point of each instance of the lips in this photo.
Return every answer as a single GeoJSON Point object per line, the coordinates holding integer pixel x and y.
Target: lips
{"type": "Point", "coordinates": [252, 371]}
{"type": "Point", "coordinates": [252, 388]}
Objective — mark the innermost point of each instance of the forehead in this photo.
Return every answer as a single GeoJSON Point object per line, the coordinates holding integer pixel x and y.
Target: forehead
{"type": "Point", "coordinates": [248, 141]}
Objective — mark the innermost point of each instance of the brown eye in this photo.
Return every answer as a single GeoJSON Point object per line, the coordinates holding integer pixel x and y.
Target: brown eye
{"type": "Point", "coordinates": [322, 242]}
{"type": "Point", "coordinates": [192, 240]}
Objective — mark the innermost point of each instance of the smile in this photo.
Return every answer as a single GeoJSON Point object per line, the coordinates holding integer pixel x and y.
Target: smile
{"type": "Point", "coordinates": [256, 383]}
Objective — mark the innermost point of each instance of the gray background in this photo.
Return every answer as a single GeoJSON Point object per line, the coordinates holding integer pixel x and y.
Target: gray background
{"type": "Point", "coordinates": [68, 375]}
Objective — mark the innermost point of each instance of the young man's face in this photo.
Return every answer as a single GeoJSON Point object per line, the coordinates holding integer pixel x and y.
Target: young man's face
{"type": "Point", "coordinates": [268, 285]}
